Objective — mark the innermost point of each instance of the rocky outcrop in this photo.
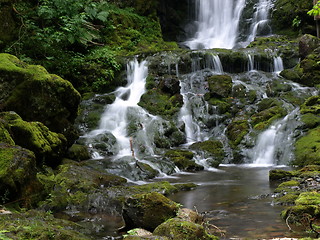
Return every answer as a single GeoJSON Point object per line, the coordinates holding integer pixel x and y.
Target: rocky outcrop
{"type": "Point", "coordinates": [48, 147]}
{"type": "Point", "coordinates": [37, 95]}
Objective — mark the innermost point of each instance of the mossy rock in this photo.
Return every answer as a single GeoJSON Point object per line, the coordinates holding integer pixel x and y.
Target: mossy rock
{"type": "Point", "coordinates": [288, 186]}
{"type": "Point", "coordinates": [223, 105]}
{"type": "Point", "coordinates": [159, 103]}
{"type": "Point", "coordinates": [292, 74]}
{"type": "Point", "coordinates": [179, 229]}
{"type": "Point", "coordinates": [49, 147]}
{"type": "Point", "coordinates": [288, 199]}
{"type": "Point", "coordinates": [236, 131]}
{"type": "Point", "coordinates": [75, 184]}
{"type": "Point", "coordinates": [148, 210]}
{"type": "Point", "coordinates": [37, 95]}
{"type": "Point", "coordinates": [220, 86]}
{"type": "Point", "coordinates": [308, 198]}
{"type": "Point", "coordinates": [310, 120]}
{"type": "Point", "coordinates": [210, 149]}
{"type": "Point", "coordinates": [4, 134]}
{"type": "Point", "coordinates": [311, 105]}
{"type": "Point", "coordinates": [265, 118]}
{"type": "Point", "coordinates": [78, 152]}
{"type": "Point", "coordinates": [307, 44]}
{"type": "Point", "coordinates": [39, 225]}
{"type": "Point", "coordinates": [279, 174]}
{"type": "Point", "coordinates": [18, 176]}
{"type": "Point", "coordinates": [183, 160]}
{"type": "Point", "coordinates": [307, 149]}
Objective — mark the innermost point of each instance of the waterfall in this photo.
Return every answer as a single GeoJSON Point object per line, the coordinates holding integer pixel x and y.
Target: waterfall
{"type": "Point", "coordinates": [274, 145]}
{"type": "Point", "coordinates": [114, 119]}
{"type": "Point", "coordinates": [277, 64]}
{"type": "Point", "coordinates": [250, 62]}
{"type": "Point", "coordinates": [193, 88]}
{"type": "Point", "coordinates": [259, 24]}
{"type": "Point", "coordinates": [217, 24]}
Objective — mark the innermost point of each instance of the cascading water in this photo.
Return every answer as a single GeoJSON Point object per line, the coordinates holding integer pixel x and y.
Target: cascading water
{"type": "Point", "coordinates": [277, 64]}
{"type": "Point", "coordinates": [193, 88]}
{"type": "Point", "coordinates": [259, 24]}
{"type": "Point", "coordinates": [114, 119]}
{"type": "Point", "coordinates": [274, 145]}
{"type": "Point", "coordinates": [217, 24]}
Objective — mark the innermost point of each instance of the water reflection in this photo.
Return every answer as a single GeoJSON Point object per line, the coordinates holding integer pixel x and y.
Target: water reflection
{"type": "Point", "coordinates": [236, 199]}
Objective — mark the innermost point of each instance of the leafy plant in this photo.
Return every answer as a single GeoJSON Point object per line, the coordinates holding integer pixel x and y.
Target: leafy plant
{"type": "Point", "coordinates": [315, 11]}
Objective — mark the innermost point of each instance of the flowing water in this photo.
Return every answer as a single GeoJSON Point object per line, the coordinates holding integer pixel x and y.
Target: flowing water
{"type": "Point", "coordinates": [236, 198]}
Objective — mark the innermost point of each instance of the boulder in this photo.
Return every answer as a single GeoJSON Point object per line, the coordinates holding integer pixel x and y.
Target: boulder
{"type": "Point", "coordinates": [37, 95]}
{"type": "Point", "coordinates": [307, 45]}
{"type": "Point", "coordinates": [177, 228]}
{"type": "Point", "coordinates": [18, 175]}
{"type": "Point", "coordinates": [183, 160]}
{"type": "Point", "coordinates": [220, 86]}
{"type": "Point", "coordinates": [49, 147]}
{"type": "Point", "coordinates": [148, 210]}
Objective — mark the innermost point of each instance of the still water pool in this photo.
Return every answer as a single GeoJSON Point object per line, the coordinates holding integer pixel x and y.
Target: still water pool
{"type": "Point", "coordinates": [235, 198]}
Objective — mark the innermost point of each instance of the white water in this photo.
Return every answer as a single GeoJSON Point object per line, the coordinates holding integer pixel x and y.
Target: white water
{"type": "Point", "coordinates": [277, 64]}
{"type": "Point", "coordinates": [114, 119]}
{"type": "Point", "coordinates": [274, 145]}
{"type": "Point", "coordinates": [194, 106]}
{"type": "Point", "coordinates": [217, 24]}
{"type": "Point", "coordinates": [259, 24]}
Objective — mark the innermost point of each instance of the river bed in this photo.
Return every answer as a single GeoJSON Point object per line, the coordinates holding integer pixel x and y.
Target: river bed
{"type": "Point", "coordinates": [236, 199]}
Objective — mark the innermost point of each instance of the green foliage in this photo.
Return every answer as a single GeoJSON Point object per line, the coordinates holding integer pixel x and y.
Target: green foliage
{"type": "Point", "coordinates": [296, 21]}
{"type": "Point", "coordinates": [315, 11]}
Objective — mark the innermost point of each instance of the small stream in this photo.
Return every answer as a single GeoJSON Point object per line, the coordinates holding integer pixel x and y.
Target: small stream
{"type": "Point", "coordinates": [235, 198]}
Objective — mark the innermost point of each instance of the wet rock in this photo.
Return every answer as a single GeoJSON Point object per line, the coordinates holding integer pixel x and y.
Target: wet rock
{"type": "Point", "coordinates": [236, 131]}
{"type": "Point", "coordinates": [37, 95]}
{"type": "Point", "coordinates": [49, 147]}
{"type": "Point", "coordinates": [220, 86]}
{"type": "Point", "coordinates": [148, 210]}
{"type": "Point", "coordinates": [212, 149]}
{"type": "Point", "coordinates": [183, 160]}
{"type": "Point", "coordinates": [279, 174]}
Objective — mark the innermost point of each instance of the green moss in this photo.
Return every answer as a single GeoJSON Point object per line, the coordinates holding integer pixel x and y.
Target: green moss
{"type": "Point", "coordinates": [183, 160]}
{"type": "Point", "coordinates": [307, 149]}
{"type": "Point", "coordinates": [222, 104]}
{"type": "Point", "coordinates": [211, 148]}
{"type": "Point", "coordinates": [38, 225]}
{"type": "Point", "coordinates": [48, 146]}
{"type": "Point", "coordinates": [178, 229]}
{"type": "Point", "coordinates": [288, 186]}
{"type": "Point", "coordinates": [236, 131]}
{"type": "Point", "coordinates": [308, 198]}
{"type": "Point", "coordinates": [148, 210]}
{"type": "Point", "coordinates": [220, 86]}
{"type": "Point", "coordinates": [78, 152]}
{"type": "Point", "coordinates": [4, 134]}
{"type": "Point", "coordinates": [279, 174]}
{"type": "Point", "coordinates": [159, 103]}
{"type": "Point", "coordinates": [266, 117]}
{"type": "Point", "coordinates": [310, 120]}
{"type": "Point", "coordinates": [311, 105]}
{"type": "Point", "coordinates": [288, 199]}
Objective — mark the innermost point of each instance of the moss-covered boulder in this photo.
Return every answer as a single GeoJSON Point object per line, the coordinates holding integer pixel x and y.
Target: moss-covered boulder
{"type": "Point", "coordinates": [236, 131]}
{"type": "Point", "coordinates": [279, 174]}
{"type": "Point", "coordinates": [307, 148]}
{"type": "Point", "coordinates": [220, 86]}
{"type": "Point", "coordinates": [311, 105]}
{"type": "Point", "coordinates": [176, 228]}
{"type": "Point", "coordinates": [211, 150]}
{"type": "Point", "coordinates": [308, 44]}
{"type": "Point", "coordinates": [37, 95]}
{"type": "Point", "coordinates": [18, 175]}
{"type": "Point", "coordinates": [78, 152]}
{"type": "Point", "coordinates": [49, 147]}
{"type": "Point", "coordinates": [159, 103]}
{"type": "Point", "coordinates": [269, 110]}
{"type": "Point", "coordinates": [183, 159]}
{"type": "Point", "coordinates": [148, 210]}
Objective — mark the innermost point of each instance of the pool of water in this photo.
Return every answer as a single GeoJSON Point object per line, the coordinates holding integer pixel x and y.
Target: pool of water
{"type": "Point", "coordinates": [235, 198]}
